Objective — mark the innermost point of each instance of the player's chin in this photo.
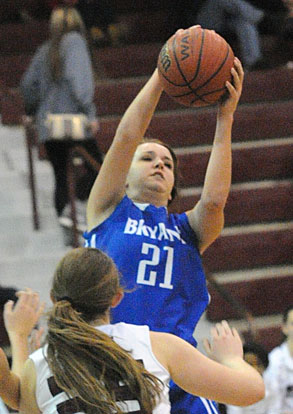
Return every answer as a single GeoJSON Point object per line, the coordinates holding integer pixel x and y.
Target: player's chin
{"type": "Point", "coordinates": [160, 188]}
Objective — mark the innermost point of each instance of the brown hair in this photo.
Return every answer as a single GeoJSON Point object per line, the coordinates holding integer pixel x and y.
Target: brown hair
{"type": "Point", "coordinates": [86, 363]}
{"type": "Point", "coordinates": [174, 191]}
{"type": "Point", "coordinates": [286, 313]}
{"type": "Point", "coordinates": [62, 21]}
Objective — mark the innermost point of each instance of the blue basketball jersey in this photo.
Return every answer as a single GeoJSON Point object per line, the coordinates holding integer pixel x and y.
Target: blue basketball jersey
{"type": "Point", "coordinates": [161, 270]}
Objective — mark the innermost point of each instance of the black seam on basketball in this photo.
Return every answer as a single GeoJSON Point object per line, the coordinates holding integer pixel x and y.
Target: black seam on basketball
{"type": "Point", "coordinates": [204, 94]}
{"type": "Point", "coordinates": [217, 71]}
{"type": "Point", "coordinates": [178, 66]}
{"type": "Point", "coordinates": [208, 80]}
{"type": "Point", "coordinates": [197, 68]}
{"type": "Point", "coordinates": [166, 77]}
{"type": "Point", "coordinates": [199, 55]}
{"type": "Point", "coordinates": [177, 63]}
{"type": "Point", "coordinates": [207, 94]}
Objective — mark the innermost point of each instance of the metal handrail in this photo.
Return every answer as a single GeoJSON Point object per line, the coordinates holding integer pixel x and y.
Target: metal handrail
{"type": "Point", "coordinates": [238, 306]}
{"type": "Point", "coordinates": [30, 143]}
{"type": "Point", "coordinates": [77, 150]}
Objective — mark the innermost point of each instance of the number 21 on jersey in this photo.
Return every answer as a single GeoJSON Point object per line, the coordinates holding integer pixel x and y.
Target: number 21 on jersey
{"type": "Point", "coordinates": [145, 275]}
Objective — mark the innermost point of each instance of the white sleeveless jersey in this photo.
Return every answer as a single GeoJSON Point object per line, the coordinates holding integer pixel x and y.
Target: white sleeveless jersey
{"type": "Point", "coordinates": [280, 373]}
{"type": "Point", "coordinates": [135, 339]}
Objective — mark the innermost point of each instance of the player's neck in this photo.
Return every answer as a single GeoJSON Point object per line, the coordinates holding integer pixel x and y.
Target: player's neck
{"type": "Point", "coordinates": [290, 346]}
{"type": "Point", "coordinates": [149, 197]}
{"type": "Point", "coordinates": [101, 320]}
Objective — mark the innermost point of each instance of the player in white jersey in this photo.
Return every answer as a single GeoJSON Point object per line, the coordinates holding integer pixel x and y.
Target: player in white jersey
{"type": "Point", "coordinates": [280, 369]}
{"type": "Point", "coordinates": [90, 366]}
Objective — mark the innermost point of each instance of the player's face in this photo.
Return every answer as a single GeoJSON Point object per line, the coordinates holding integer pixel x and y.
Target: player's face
{"type": "Point", "coordinates": [288, 326]}
{"type": "Point", "coordinates": [152, 167]}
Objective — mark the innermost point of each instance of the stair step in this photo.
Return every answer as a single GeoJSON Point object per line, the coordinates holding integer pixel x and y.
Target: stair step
{"type": "Point", "coordinates": [133, 60]}
{"type": "Point", "coordinates": [269, 337]}
{"type": "Point", "coordinates": [145, 22]}
{"type": "Point", "coordinates": [252, 161]}
{"type": "Point", "coordinates": [251, 123]}
{"type": "Point", "coordinates": [114, 96]}
{"type": "Point", "coordinates": [267, 329]}
{"type": "Point", "coordinates": [154, 26]}
{"type": "Point", "coordinates": [247, 247]}
{"type": "Point", "coordinates": [172, 123]}
{"type": "Point", "coordinates": [248, 203]}
{"type": "Point", "coordinates": [265, 293]}
{"type": "Point", "coordinates": [21, 38]}
{"type": "Point", "coordinates": [197, 126]}
{"type": "Point", "coordinates": [114, 62]}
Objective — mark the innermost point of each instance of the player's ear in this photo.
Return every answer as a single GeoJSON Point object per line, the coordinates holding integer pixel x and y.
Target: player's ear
{"type": "Point", "coordinates": [117, 298]}
{"type": "Point", "coordinates": [52, 297]}
{"type": "Point", "coordinates": [285, 329]}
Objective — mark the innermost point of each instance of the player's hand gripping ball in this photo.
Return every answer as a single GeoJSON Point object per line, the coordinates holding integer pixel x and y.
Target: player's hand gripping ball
{"type": "Point", "coordinates": [194, 65]}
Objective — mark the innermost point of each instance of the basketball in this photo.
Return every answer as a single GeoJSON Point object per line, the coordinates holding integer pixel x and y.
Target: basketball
{"type": "Point", "coordinates": [194, 65]}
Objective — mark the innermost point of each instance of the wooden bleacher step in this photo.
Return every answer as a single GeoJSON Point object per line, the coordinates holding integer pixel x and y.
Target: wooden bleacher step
{"type": "Point", "coordinates": [197, 126]}
{"type": "Point", "coordinates": [249, 203]}
{"type": "Point", "coordinates": [267, 329]}
{"type": "Point", "coordinates": [262, 291]}
{"type": "Point", "coordinates": [124, 63]}
{"type": "Point", "coordinates": [267, 159]}
{"type": "Point", "coordinates": [21, 38]}
{"type": "Point", "coordinates": [114, 96]}
{"type": "Point", "coordinates": [251, 246]}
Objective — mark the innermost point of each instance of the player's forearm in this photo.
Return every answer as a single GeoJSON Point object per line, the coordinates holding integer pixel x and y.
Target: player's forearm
{"type": "Point", "coordinates": [137, 117]}
{"type": "Point", "coordinates": [218, 175]}
{"type": "Point", "coordinates": [10, 390]}
{"type": "Point", "coordinates": [20, 352]}
{"type": "Point", "coordinates": [248, 380]}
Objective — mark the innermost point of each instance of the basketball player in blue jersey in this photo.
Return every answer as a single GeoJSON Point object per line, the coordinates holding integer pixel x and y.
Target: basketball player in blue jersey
{"type": "Point", "coordinates": [159, 254]}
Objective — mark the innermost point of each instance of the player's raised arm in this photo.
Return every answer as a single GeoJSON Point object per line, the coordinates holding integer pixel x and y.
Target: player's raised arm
{"type": "Point", "coordinates": [207, 217]}
{"type": "Point", "coordinates": [224, 377]}
{"type": "Point", "coordinates": [109, 187]}
{"type": "Point", "coordinates": [20, 319]}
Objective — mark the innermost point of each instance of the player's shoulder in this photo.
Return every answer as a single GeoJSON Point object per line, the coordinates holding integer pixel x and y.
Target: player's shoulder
{"type": "Point", "coordinates": [127, 330]}
{"type": "Point", "coordinates": [277, 352]}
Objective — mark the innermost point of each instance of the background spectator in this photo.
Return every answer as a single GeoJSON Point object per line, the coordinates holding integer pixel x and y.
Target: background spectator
{"type": "Point", "coordinates": [242, 19]}
{"type": "Point", "coordinates": [60, 79]}
{"type": "Point", "coordinates": [281, 368]}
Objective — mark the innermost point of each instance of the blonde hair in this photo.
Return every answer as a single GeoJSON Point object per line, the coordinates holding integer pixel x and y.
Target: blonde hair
{"type": "Point", "coordinates": [86, 363]}
{"type": "Point", "coordinates": [63, 20]}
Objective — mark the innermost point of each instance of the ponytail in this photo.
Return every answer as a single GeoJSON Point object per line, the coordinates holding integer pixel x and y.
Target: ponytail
{"type": "Point", "coordinates": [88, 364]}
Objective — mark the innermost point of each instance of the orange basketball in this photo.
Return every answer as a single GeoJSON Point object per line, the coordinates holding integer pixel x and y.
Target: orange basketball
{"type": "Point", "coordinates": [194, 65]}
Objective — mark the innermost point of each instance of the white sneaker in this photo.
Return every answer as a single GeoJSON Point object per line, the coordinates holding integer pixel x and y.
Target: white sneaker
{"type": "Point", "coordinates": [80, 208]}
{"type": "Point", "coordinates": [67, 223]}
